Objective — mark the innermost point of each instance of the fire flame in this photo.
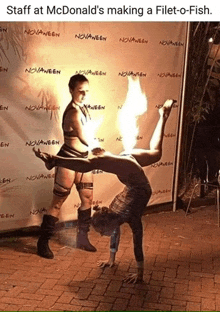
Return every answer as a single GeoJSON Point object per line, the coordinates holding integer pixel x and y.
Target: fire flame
{"type": "Point", "coordinates": [90, 130]}
{"type": "Point", "coordinates": [134, 106]}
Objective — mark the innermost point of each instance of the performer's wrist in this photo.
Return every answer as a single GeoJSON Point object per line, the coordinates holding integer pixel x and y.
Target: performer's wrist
{"type": "Point", "coordinates": [140, 269]}
{"type": "Point", "coordinates": [112, 256]}
{"type": "Point", "coordinates": [140, 264]}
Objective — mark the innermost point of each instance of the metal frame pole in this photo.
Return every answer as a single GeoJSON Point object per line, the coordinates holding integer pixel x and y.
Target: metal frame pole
{"type": "Point", "coordinates": [176, 177]}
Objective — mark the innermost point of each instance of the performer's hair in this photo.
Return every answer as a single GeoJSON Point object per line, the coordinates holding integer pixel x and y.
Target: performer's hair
{"type": "Point", "coordinates": [75, 79]}
{"type": "Point", "coordinates": [103, 217]}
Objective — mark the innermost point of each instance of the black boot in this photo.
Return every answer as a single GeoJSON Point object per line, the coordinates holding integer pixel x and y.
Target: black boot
{"type": "Point", "coordinates": [47, 230]}
{"type": "Point", "coordinates": [84, 220]}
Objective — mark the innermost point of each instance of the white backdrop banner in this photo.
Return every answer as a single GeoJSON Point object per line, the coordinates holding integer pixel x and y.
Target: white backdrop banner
{"type": "Point", "coordinates": [36, 62]}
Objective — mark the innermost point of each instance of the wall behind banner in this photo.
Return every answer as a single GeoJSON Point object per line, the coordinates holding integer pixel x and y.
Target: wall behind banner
{"type": "Point", "coordinates": [36, 62]}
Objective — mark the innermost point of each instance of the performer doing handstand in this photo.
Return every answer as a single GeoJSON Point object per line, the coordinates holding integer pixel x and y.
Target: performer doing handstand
{"type": "Point", "coordinates": [127, 206]}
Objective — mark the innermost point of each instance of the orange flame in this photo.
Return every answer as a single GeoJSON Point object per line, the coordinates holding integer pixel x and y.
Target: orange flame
{"type": "Point", "coordinates": [134, 106]}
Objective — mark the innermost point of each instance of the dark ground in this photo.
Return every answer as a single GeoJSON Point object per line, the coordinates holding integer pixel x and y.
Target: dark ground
{"type": "Point", "coordinates": [182, 268]}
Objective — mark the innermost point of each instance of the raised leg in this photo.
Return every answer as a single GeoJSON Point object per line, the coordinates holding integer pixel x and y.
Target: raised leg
{"type": "Point", "coordinates": [152, 155]}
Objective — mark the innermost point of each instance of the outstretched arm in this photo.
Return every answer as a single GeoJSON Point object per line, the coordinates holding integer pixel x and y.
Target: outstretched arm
{"type": "Point", "coordinates": [148, 157]}
{"type": "Point", "coordinates": [137, 229]}
{"type": "Point", "coordinates": [114, 243]}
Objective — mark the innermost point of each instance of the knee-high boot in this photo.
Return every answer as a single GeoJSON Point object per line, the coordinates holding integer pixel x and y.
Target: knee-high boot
{"type": "Point", "coordinates": [84, 220]}
{"type": "Point", "coordinates": [46, 231]}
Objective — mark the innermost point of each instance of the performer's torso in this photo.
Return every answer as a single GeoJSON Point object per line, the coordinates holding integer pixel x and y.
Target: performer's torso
{"type": "Point", "coordinates": [70, 132]}
{"type": "Point", "coordinates": [135, 196]}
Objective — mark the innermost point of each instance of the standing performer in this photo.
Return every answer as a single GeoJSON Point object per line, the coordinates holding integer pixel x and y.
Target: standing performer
{"type": "Point", "coordinates": [75, 145]}
{"type": "Point", "coordinates": [127, 206]}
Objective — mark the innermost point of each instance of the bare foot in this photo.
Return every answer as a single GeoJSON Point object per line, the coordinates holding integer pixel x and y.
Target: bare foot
{"type": "Point", "coordinates": [48, 159]}
{"type": "Point", "coordinates": [166, 108]}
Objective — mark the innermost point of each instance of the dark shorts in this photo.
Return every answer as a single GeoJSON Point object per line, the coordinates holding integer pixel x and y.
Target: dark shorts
{"type": "Point", "coordinates": [65, 178]}
{"type": "Point", "coordinates": [67, 151]}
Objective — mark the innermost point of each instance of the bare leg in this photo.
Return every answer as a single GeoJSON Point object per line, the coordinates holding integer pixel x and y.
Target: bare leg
{"type": "Point", "coordinates": [108, 163]}
{"type": "Point", "coordinates": [55, 206]}
{"type": "Point", "coordinates": [76, 164]}
{"type": "Point", "coordinates": [157, 138]}
{"type": "Point", "coordinates": [148, 157]}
